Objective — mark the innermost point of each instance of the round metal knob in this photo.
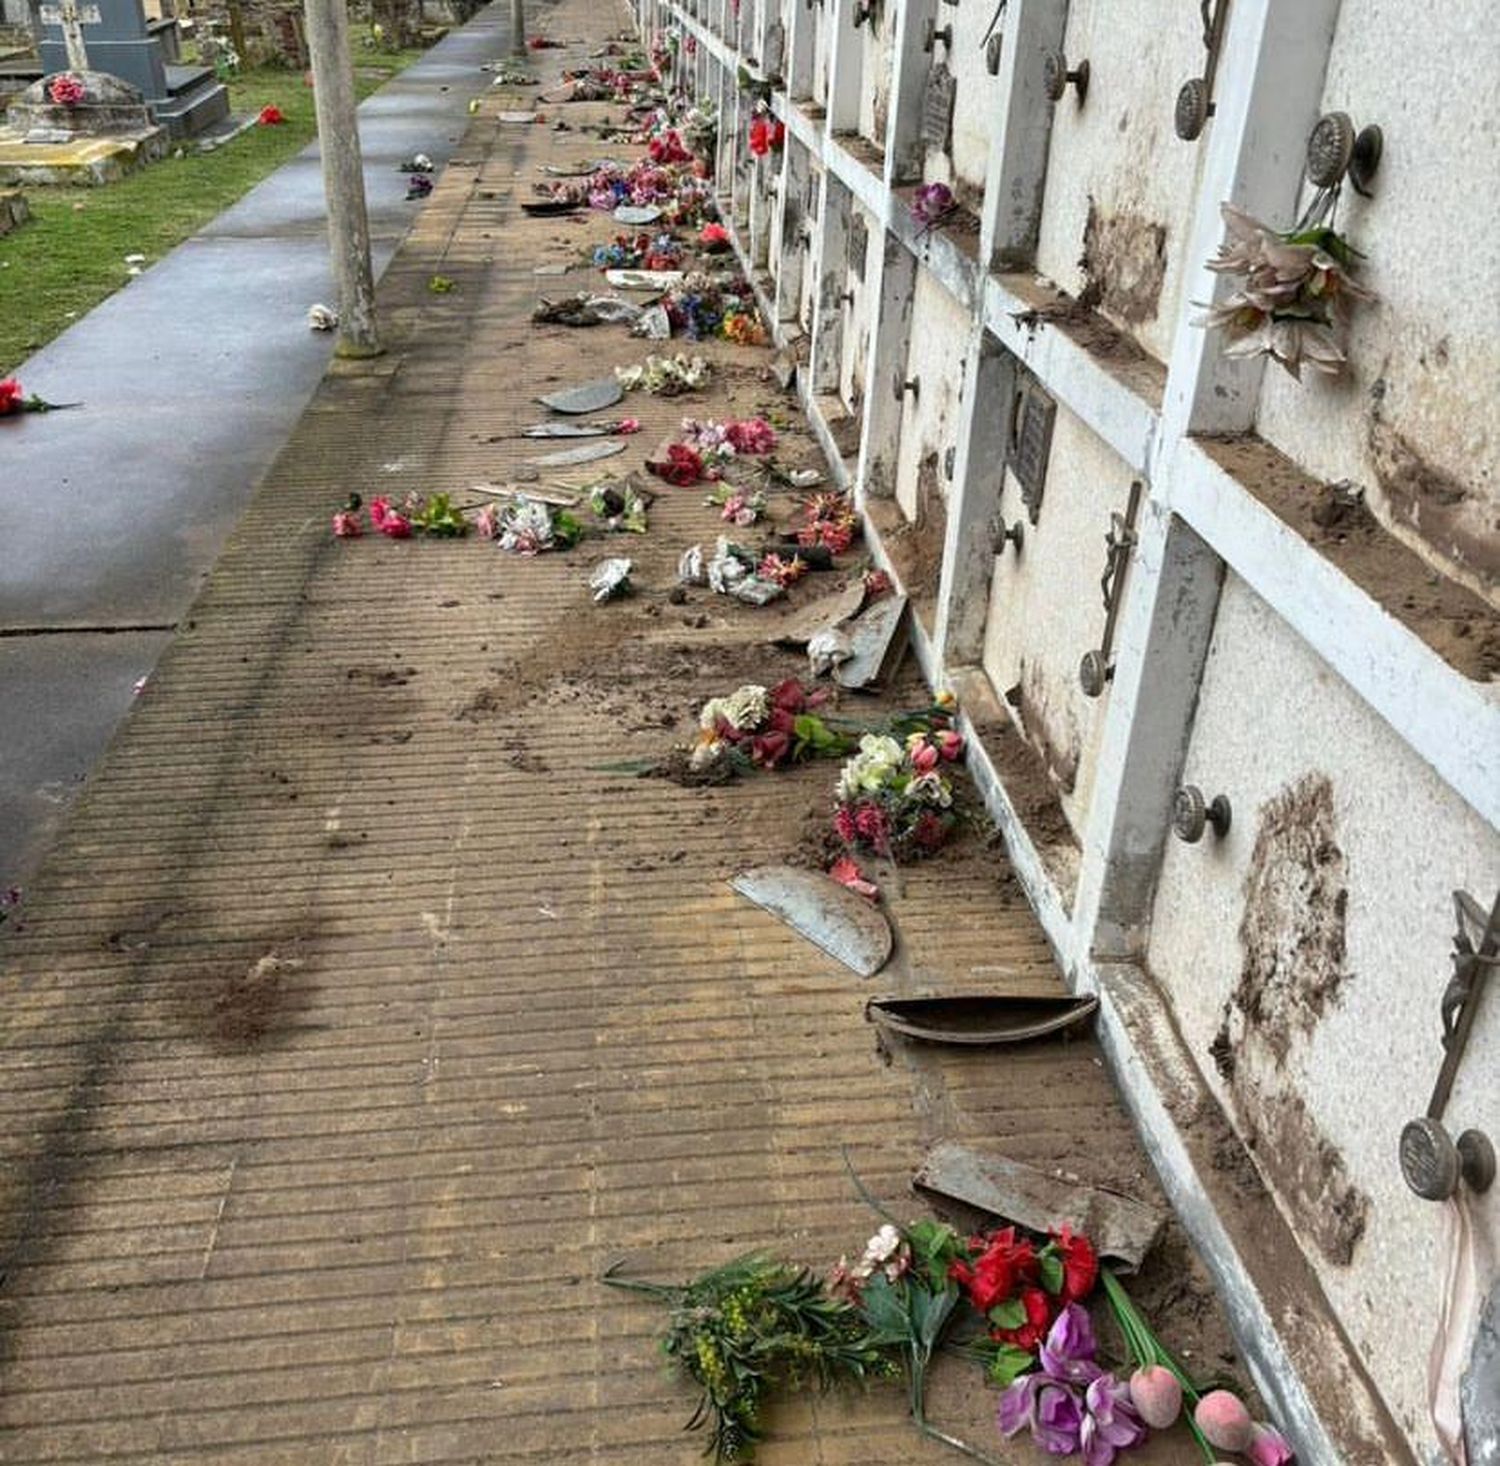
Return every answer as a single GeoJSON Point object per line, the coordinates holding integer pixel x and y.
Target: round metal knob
{"type": "Point", "coordinates": [1193, 109]}
{"type": "Point", "coordinates": [931, 35]}
{"type": "Point", "coordinates": [1015, 535]}
{"type": "Point", "coordinates": [1329, 150]}
{"type": "Point", "coordinates": [1192, 815]}
{"type": "Point", "coordinates": [1476, 1160]}
{"type": "Point", "coordinates": [1094, 673]}
{"type": "Point", "coordinates": [1056, 77]}
{"type": "Point", "coordinates": [1429, 1160]}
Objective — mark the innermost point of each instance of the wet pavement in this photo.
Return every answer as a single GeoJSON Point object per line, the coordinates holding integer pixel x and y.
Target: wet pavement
{"type": "Point", "coordinates": [192, 377]}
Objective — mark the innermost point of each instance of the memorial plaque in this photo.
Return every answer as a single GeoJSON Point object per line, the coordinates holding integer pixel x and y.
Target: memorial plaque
{"type": "Point", "coordinates": [858, 243]}
{"type": "Point", "coordinates": [773, 57]}
{"type": "Point", "coordinates": [1035, 412]}
{"type": "Point", "coordinates": [937, 106]}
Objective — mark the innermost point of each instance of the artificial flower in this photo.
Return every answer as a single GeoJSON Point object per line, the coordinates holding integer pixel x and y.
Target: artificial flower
{"type": "Point", "coordinates": [845, 870]}
{"type": "Point", "coordinates": [1110, 1422]}
{"type": "Point", "coordinates": [66, 90]}
{"type": "Point", "coordinates": [1080, 1264]}
{"type": "Point", "coordinates": [270, 116]}
{"type": "Point", "coordinates": [783, 572]}
{"type": "Point", "coordinates": [1268, 1447]}
{"type": "Point", "coordinates": [1027, 1335]}
{"type": "Point", "coordinates": [1224, 1421]}
{"type": "Point", "coordinates": [1157, 1395]}
{"type": "Point", "coordinates": [1068, 1351]}
{"type": "Point", "coordinates": [1050, 1410]}
{"type": "Point", "coordinates": [877, 584]}
{"type": "Point", "coordinates": [932, 203]}
{"type": "Point", "coordinates": [346, 525]}
{"type": "Point", "coordinates": [12, 397]}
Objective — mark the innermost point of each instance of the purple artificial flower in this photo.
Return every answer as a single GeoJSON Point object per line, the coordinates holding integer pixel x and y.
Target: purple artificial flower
{"type": "Point", "coordinates": [1110, 1422]}
{"type": "Point", "coordinates": [933, 201]}
{"type": "Point", "coordinates": [1051, 1409]}
{"type": "Point", "coordinates": [1067, 1353]}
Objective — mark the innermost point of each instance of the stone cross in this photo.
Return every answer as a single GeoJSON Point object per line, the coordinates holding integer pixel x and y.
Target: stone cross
{"type": "Point", "coordinates": [72, 29]}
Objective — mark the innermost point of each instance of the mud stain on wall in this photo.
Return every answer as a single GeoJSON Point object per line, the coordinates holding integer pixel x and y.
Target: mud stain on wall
{"type": "Point", "coordinates": [1054, 735]}
{"type": "Point", "coordinates": [1294, 967]}
{"type": "Point", "coordinates": [1125, 262]}
{"type": "Point", "coordinates": [1434, 503]}
{"type": "Point", "coordinates": [1292, 930]}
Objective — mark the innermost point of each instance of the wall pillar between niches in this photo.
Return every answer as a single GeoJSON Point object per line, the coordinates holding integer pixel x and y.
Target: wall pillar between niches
{"type": "Point", "coordinates": [1267, 95]}
{"type": "Point", "coordinates": [982, 446]}
{"type": "Point", "coordinates": [880, 434]}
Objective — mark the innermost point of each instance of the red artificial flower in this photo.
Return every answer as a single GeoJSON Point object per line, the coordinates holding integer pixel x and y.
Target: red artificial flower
{"type": "Point", "coordinates": [683, 466]}
{"type": "Point", "coordinates": [390, 522]}
{"type": "Point", "coordinates": [924, 758]}
{"type": "Point", "coordinates": [950, 745]}
{"type": "Point", "coordinates": [846, 872]}
{"type": "Point", "coordinates": [843, 824]}
{"type": "Point", "coordinates": [1030, 1334]}
{"type": "Point", "coordinates": [790, 694]}
{"type": "Point", "coordinates": [930, 831]}
{"type": "Point", "coordinates": [65, 90]}
{"type": "Point", "coordinates": [12, 397]}
{"type": "Point", "coordinates": [1003, 1265]}
{"type": "Point", "coordinates": [346, 525]}
{"type": "Point", "coordinates": [713, 237]}
{"type": "Point", "coordinates": [760, 137]}
{"type": "Point", "coordinates": [872, 826]}
{"type": "Point", "coordinates": [877, 584]}
{"type": "Point", "coordinates": [1079, 1262]}
{"type": "Point", "coordinates": [769, 750]}
{"type": "Point", "coordinates": [270, 116]}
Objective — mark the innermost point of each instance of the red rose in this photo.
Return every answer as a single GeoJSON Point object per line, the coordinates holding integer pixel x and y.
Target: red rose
{"type": "Point", "coordinates": [843, 827]}
{"type": "Point", "coordinates": [770, 749]}
{"type": "Point", "coordinates": [760, 137]}
{"type": "Point", "coordinates": [1030, 1334]}
{"type": "Point", "coordinates": [1080, 1264]}
{"type": "Point", "coordinates": [790, 695]}
{"type": "Point", "coordinates": [1001, 1267]}
{"type": "Point", "coordinates": [12, 395]}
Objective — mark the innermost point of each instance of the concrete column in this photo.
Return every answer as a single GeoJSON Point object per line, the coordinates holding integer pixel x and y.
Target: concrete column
{"type": "Point", "coordinates": [343, 176]}
{"type": "Point", "coordinates": [885, 369]}
{"type": "Point", "coordinates": [1017, 173]}
{"type": "Point", "coordinates": [982, 439]}
{"type": "Point", "coordinates": [518, 27]}
{"type": "Point", "coordinates": [846, 49]}
{"type": "Point", "coordinates": [903, 137]}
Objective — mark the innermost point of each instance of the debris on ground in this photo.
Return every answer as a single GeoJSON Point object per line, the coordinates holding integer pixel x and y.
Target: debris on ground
{"type": "Point", "coordinates": [828, 914]}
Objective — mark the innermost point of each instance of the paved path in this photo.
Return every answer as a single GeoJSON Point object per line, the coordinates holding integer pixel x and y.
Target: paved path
{"type": "Point", "coordinates": [361, 1016]}
{"type": "Point", "coordinates": [192, 376]}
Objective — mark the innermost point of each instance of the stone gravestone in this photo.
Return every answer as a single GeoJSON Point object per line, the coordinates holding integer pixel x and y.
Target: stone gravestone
{"type": "Point", "coordinates": [121, 42]}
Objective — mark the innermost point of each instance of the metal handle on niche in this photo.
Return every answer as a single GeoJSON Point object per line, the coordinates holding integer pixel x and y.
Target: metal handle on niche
{"type": "Point", "coordinates": [1192, 815]}
{"type": "Point", "coordinates": [1432, 1163]}
{"type": "Point", "coordinates": [1057, 78]}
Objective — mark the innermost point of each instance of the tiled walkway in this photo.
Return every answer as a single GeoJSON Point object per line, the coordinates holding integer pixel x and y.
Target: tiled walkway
{"type": "Point", "coordinates": [361, 1018]}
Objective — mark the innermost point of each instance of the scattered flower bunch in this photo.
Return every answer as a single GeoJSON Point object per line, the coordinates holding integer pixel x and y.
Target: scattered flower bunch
{"type": "Point", "coordinates": [639, 252]}
{"type": "Point", "coordinates": [829, 520]}
{"type": "Point", "coordinates": [705, 449]}
{"type": "Point", "coordinates": [781, 571]}
{"type": "Point", "coordinates": [877, 584]}
{"type": "Point", "coordinates": [764, 728]}
{"type": "Point", "coordinates": [665, 376]}
{"type": "Point", "coordinates": [527, 527]}
{"type": "Point", "coordinates": [542, 43]}
{"type": "Point", "coordinates": [663, 47]}
{"type": "Point", "coordinates": [1020, 1291]}
{"type": "Point", "coordinates": [621, 506]}
{"type": "Point", "coordinates": [767, 134]}
{"type": "Point", "coordinates": [713, 237]}
{"type": "Point", "coordinates": [931, 205]}
{"type": "Point", "coordinates": [897, 1304]}
{"type": "Point", "coordinates": [893, 798]}
{"type": "Point", "coordinates": [704, 306]}
{"type": "Point", "coordinates": [740, 1328]}
{"type": "Point", "coordinates": [13, 400]}
{"type": "Point", "coordinates": [429, 514]}
{"type": "Point", "coordinates": [1295, 296]}
{"type": "Point", "coordinates": [272, 116]}
{"type": "Point", "coordinates": [737, 507]}
{"type": "Point", "coordinates": [66, 90]}
{"type": "Point", "coordinates": [847, 872]}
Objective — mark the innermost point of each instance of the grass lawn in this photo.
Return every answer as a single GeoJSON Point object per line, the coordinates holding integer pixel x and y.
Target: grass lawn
{"type": "Point", "coordinates": [72, 253]}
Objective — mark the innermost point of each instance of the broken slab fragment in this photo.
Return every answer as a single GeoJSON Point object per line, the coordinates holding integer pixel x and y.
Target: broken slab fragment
{"type": "Point", "coordinates": [835, 920]}
{"type": "Point", "coordinates": [1120, 1227]}
{"type": "Point", "coordinates": [590, 397]}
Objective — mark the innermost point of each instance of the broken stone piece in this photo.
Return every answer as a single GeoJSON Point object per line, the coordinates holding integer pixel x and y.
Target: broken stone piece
{"type": "Point", "coordinates": [590, 397]}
